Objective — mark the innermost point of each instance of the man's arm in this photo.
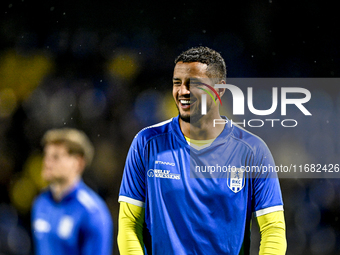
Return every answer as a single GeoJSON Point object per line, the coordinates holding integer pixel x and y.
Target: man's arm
{"type": "Point", "coordinates": [273, 233]}
{"type": "Point", "coordinates": [130, 229]}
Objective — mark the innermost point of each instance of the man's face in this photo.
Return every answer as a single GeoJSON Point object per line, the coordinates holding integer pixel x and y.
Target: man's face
{"type": "Point", "coordinates": [187, 79]}
{"type": "Point", "coordinates": [58, 164]}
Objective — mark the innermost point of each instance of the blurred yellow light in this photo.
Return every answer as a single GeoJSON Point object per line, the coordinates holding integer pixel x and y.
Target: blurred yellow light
{"type": "Point", "coordinates": [23, 73]}
{"type": "Point", "coordinates": [32, 169]}
{"type": "Point", "coordinates": [8, 102]}
{"type": "Point", "coordinates": [124, 65]}
{"type": "Point", "coordinates": [22, 194]}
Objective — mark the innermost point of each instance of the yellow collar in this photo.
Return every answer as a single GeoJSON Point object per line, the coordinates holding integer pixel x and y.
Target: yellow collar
{"type": "Point", "coordinates": [199, 143]}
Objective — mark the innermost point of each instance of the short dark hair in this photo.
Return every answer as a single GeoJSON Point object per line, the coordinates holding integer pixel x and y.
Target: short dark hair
{"type": "Point", "coordinates": [216, 66]}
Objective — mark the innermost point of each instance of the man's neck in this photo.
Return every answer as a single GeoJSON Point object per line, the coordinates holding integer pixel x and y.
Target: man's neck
{"type": "Point", "coordinates": [203, 129]}
{"type": "Point", "coordinates": [61, 188]}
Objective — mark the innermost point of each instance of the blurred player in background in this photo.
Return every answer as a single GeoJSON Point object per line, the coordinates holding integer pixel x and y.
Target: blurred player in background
{"type": "Point", "coordinates": [163, 210]}
{"type": "Point", "coordinates": [69, 217]}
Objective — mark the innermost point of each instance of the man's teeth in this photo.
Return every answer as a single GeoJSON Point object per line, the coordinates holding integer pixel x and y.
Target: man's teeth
{"type": "Point", "coordinates": [185, 101]}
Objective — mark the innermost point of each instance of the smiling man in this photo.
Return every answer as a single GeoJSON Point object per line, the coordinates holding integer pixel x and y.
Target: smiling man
{"type": "Point", "coordinates": [166, 207]}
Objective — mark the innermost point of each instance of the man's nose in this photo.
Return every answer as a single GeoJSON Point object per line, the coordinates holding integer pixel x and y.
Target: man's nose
{"type": "Point", "coordinates": [185, 89]}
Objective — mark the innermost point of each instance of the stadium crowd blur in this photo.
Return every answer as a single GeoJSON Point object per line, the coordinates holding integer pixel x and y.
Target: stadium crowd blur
{"type": "Point", "coordinates": [106, 68]}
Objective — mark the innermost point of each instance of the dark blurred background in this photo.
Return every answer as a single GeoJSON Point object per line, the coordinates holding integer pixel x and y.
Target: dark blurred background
{"type": "Point", "coordinates": [106, 67]}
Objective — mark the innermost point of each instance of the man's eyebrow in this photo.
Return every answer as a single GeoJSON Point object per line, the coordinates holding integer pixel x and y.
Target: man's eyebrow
{"type": "Point", "coordinates": [195, 80]}
{"type": "Point", "coordinates": [192, 80]}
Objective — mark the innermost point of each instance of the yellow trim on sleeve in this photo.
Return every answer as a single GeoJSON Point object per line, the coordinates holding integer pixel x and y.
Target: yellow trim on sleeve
{"type": "Point", "coordinates": [130, 229]}
{"type": "Point", "coordinates": [273, 233]}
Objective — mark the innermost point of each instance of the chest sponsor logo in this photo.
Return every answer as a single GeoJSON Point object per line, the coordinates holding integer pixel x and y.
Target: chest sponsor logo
{"type": "Point", "coordinates": [236, 180]}
{"type": "Point", "coordinates": [65, 227]}
{"type": "Point", "coordinates": [164, 163]}
{"type": "Point", "coordinates": [165, 174]}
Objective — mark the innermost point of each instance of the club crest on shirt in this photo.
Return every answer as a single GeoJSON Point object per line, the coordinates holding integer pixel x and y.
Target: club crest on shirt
{"type": "Point", "coordinates": [65, 227]}
{"type": "Point", "coordinates": [235, 180]}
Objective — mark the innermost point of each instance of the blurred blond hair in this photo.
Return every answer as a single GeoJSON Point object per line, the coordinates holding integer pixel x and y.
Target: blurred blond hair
{"type": "Point", "coordinates": [76, 142]}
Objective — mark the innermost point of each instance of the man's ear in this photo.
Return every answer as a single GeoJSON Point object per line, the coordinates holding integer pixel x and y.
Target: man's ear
{"type": "Point", "coordinates": [81, 164]}
{"type": "Point", "coordinates": [221, 91]}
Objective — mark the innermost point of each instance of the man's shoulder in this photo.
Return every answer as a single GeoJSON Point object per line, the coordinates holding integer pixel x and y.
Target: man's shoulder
{"type": "Point", "coordinates": [254, 142]}
{"type": "Point", "coordinates": [93, 208]}
{"type": "Point", "coordinates": [89, 199]}
{"type": "Point", "coordinates": [154, 130]}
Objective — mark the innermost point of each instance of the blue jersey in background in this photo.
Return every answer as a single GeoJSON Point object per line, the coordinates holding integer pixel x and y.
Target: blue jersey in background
{"type": "Point", "coordinates": [80, 224]}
